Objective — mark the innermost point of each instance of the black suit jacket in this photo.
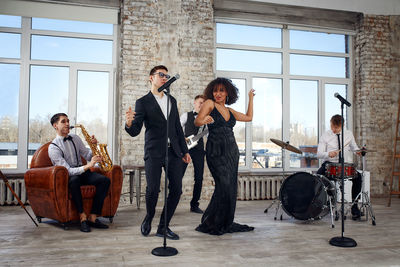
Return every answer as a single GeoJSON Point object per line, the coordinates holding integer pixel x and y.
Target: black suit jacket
{"type": "Point", "coordinates": [149, 112]}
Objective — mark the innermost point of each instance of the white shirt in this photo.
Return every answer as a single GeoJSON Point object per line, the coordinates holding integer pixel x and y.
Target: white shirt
{"type": "Point", "coordinates": [183, 119]}
{"type": "Point", "coordinates": [329, 142]}
{"type": "Point", "coordinates": [64, 154]}
{"type": "Point", "coordinates": [162, 102]}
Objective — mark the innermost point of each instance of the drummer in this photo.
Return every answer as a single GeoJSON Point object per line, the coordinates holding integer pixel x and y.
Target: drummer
{"type": "Point", "coordinates": [328, 150]}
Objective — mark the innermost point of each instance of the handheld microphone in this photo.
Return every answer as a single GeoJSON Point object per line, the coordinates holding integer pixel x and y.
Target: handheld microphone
{"type": "Point", "coordinates": [169, 82]}
{"type": "Point", "coordinates": [343, 100]}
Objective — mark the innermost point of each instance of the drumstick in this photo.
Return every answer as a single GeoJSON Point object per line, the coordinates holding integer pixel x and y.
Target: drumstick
{"type": "Point", "coordinates": [338, 150]}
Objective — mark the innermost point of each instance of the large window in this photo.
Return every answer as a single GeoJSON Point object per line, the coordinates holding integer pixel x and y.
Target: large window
{"type": "Point", "coordinates": [295, 72]}
{"type": "Point", "coordinates": [49, 66]}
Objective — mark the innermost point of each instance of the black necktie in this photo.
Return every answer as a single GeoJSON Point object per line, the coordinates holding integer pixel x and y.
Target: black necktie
{"type": "Point", "coordinates": [68, 137]}
{"type": "Point", "coordinates": [340, 152]}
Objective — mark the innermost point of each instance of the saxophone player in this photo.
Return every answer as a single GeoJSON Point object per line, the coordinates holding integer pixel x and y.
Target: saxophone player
{"type": "Point", "coordinates": [66, 150]}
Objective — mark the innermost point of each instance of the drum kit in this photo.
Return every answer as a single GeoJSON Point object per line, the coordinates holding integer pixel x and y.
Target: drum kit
{"type": "Point", "coordinates": [306, 196]}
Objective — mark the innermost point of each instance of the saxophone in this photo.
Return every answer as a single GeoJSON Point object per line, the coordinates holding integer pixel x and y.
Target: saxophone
{"type": "Point", "coordinates": [106, 164]}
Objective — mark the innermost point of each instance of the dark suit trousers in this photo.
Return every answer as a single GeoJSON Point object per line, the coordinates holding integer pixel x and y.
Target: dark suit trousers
{"type": "Point", "coordinates": [197, 156]}
{"type": "Point", "coordinates": [357, 181]}
{"type": "Point", "coordinates": [102, 184]}
{"type": "Point", "coordinates": [153, 167]}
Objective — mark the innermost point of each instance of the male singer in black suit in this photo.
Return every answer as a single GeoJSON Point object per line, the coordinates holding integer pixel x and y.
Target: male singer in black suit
{"type": "Point", "coordinates": [197, 153]}
{"type": "Point", "coordinates": [151, 110]}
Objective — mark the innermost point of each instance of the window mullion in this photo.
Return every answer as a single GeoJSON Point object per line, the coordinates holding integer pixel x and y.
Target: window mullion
{"type": "Point", "coordinates": [249, 128]}
{"type": "Point", "coordinates": [73, 94]}
{"type": "Point", "coordinates": [285, 97]}
{"type": "Point", "coordinates": [113, 117]}
{"type": "Point", "coordinates": [350, 83]}
{"type": "Point", "coordinates": [23, 109]}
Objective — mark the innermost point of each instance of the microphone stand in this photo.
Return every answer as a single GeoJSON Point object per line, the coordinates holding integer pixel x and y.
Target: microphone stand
{"type": "Point", "coordinates": [164, 250]}
{"type": "Point", "coordinates": [342, 241]}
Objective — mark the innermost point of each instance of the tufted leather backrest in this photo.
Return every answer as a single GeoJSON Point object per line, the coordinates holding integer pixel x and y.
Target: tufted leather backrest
{"type": "Point", "coordinates": [41, 157]}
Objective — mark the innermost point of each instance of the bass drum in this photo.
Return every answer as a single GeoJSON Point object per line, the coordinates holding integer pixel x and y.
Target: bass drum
{"type": "Point", "coordinates": [305, 196]}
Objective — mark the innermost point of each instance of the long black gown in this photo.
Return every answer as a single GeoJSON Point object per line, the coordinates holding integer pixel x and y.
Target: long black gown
{"type": "Point", "coordinates": [222, 155]}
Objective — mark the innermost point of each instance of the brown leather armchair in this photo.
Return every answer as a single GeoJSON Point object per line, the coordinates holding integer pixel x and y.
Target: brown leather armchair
{"type": "Point", "coordinates": [47, 190]}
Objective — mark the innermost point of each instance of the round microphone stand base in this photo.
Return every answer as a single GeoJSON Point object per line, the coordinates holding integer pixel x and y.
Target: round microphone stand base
{"type": "Point", "coordinates": [164, 251]}
{"type": "Point", "coordinates": [341, 241]}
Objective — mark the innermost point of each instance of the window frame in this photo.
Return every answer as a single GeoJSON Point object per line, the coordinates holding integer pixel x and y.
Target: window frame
{"type": "Point", "coordinates": [25, 64]}
{"type": "Point", "coordinates": [286, 77]}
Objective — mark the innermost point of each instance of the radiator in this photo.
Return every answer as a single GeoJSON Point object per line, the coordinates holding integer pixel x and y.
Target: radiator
{"type": "Point", "coordinates": [7, 197]}
{"type": "Point", "coordinates": [251, 188]}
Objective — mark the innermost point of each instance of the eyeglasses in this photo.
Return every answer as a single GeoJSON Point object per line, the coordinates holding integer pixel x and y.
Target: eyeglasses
{"type": "Point", "coordinates": [162, 75]}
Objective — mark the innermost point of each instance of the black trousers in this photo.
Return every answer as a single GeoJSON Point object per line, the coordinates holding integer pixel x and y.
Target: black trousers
{"type": "Point", "coordinates": [197, 156]}
{"type": "Point", "coordinates": [102, 184]}
{"type": "Point", "coordinates": [153, 168]}
{"type": "Point", "coordinates": [357, 180]}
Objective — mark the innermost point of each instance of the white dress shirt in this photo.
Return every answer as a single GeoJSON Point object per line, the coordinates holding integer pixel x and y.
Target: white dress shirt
{"type": "Point", "coordinates": [162, 102]}
{"type": "Point", "coordinates": [183, 119]}
{"type": "Point", "coordinates": [329, 142]}
{"type": "Point", "coordinates": [64, 154]}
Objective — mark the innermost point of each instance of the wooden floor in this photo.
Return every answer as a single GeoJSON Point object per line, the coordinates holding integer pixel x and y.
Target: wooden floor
{"type": "Point", "coordinates": [288, 242]}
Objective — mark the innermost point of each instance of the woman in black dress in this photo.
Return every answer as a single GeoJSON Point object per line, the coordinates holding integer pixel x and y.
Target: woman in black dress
{"type": "Point", "coordinates": [222, 155]}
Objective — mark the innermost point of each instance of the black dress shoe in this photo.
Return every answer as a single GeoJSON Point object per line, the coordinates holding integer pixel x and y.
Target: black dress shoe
{"type": "Point", "coordinates": [196, 210]}
{"type": "Point", "coordinates": [146, 226]}
{"type": "Point", "coordinates": [85, 227]}
{"type": "Point", "coordinates": [169, 234]}
{"type": "Point", "coordinates": [355, 212]}
{"type": "Point", "coordinates": [97, 224]}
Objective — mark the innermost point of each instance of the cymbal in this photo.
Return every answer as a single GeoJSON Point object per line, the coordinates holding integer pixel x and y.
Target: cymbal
{"type": "Point", "coordinates": [286, 146]}
{"type": "Point", "coordinates": [364, 150]}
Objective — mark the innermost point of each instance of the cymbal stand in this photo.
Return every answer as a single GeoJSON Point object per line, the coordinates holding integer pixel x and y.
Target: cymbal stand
{"type": "Point", "coordinates": [16, 197]}
{"type": "Point", "coordinates": [363, 196]}
{"type": "Point", "coordinates": [331, 210]}
{"type": "Point", "coordinates": [277, 199]}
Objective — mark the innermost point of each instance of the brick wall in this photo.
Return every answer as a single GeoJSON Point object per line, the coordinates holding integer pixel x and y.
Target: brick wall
{"type": "Point", "coordinates": [178, 34]}
{"type": "Point", "coordinates": [376, 90]}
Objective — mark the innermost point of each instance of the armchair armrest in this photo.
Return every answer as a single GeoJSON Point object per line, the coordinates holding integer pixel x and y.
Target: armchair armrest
{"type": "Point", "coordinates": [116, 178]}
{"type": "Point", "coordinates": [45, 178]}
{"type": "Point", "coordinates": [47, 190]}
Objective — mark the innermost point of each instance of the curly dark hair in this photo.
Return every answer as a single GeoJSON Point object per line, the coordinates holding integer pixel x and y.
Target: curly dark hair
{"type": "Point", "coordinates": [231, 89]}
{"type": "Point", "coordinates": [337, 120]}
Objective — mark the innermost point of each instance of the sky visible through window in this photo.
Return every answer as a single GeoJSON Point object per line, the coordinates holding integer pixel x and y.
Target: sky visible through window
{"type": "Point", "coordinates": [49, 81]}
{"type": "Point", "coordinates": [271, 63]}
{"type": "Point", "coordinates": [9, 90]}
{"type": "Point", "coordinates": [72, 26]}
{"type": "Point", "coordinates": [10, 21]}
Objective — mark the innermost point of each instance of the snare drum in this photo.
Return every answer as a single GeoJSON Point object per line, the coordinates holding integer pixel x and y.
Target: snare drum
{"type": "Point", "coordinates": [334, 170]}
